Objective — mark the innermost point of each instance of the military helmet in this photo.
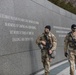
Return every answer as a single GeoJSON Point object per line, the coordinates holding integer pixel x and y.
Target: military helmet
{"type": "Point", "coordinates": [73, 26]}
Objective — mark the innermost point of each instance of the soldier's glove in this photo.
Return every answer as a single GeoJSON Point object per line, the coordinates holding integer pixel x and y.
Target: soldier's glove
{"type": "Point", "coordinates": [66, 54]}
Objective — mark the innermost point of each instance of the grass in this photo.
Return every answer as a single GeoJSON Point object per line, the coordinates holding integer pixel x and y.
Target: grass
{"type": "Point", "coordinates": [67, 6]}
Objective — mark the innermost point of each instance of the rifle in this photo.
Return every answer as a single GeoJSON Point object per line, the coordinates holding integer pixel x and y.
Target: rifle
{"type": "Point", "coordinates": [49, 46]}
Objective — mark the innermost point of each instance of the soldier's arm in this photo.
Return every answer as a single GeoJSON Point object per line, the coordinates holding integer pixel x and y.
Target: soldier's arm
{"type": "Point", "coordinates": [66, 44]}
{"type": "Point", "coordinates": [38, 40]}
{"type": "Point", "coordinates": [54, 42]}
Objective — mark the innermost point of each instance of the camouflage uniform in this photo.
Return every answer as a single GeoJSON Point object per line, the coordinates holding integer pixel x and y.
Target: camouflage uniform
{"type": "Point", "coordinates": [44, 52]}
{"type": "Point", "coordinates": [70, 47]}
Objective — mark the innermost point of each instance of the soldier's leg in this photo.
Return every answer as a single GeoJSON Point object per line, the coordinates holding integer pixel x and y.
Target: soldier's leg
{"type": "Point", "coordinates": [72, 63]}
{"type": "Point", "coordinates": [43, 61]}
{"type": "Point", "coordinates": [47, 66]}
{"type": "Point", "coordinates": [46, 62]}
{"type": "Point", "coordinates": [44, 66]}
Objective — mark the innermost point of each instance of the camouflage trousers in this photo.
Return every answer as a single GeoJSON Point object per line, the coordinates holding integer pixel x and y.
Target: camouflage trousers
{"type": "Point", "coordinates": [45, 61]}
{"type": "Point", "coordinates": [72, 60]}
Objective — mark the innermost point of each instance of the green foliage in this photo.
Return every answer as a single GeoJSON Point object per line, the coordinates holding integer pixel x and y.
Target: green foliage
{"type": "Point", "coordinates": [66, 6]}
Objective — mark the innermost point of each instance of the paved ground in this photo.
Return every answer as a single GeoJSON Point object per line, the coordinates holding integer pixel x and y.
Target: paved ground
{"type": "Point", "coordinates": [58, 69]}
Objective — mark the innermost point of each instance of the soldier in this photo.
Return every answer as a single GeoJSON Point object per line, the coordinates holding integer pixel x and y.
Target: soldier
{"type": "Point", "coordinates": [47, 43]}
{"type": "Point", "coordinates": [70, 48]}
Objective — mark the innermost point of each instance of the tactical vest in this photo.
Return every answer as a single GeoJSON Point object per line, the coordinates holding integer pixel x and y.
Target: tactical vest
{"type": "Point", "coordinates": [48, 41]}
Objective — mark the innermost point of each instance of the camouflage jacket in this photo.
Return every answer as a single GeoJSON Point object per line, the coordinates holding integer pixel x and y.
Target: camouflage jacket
{"type": "Point", "coordinates": [69, 42]}
{"type": "Point", "coordinates": [51, 38]}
